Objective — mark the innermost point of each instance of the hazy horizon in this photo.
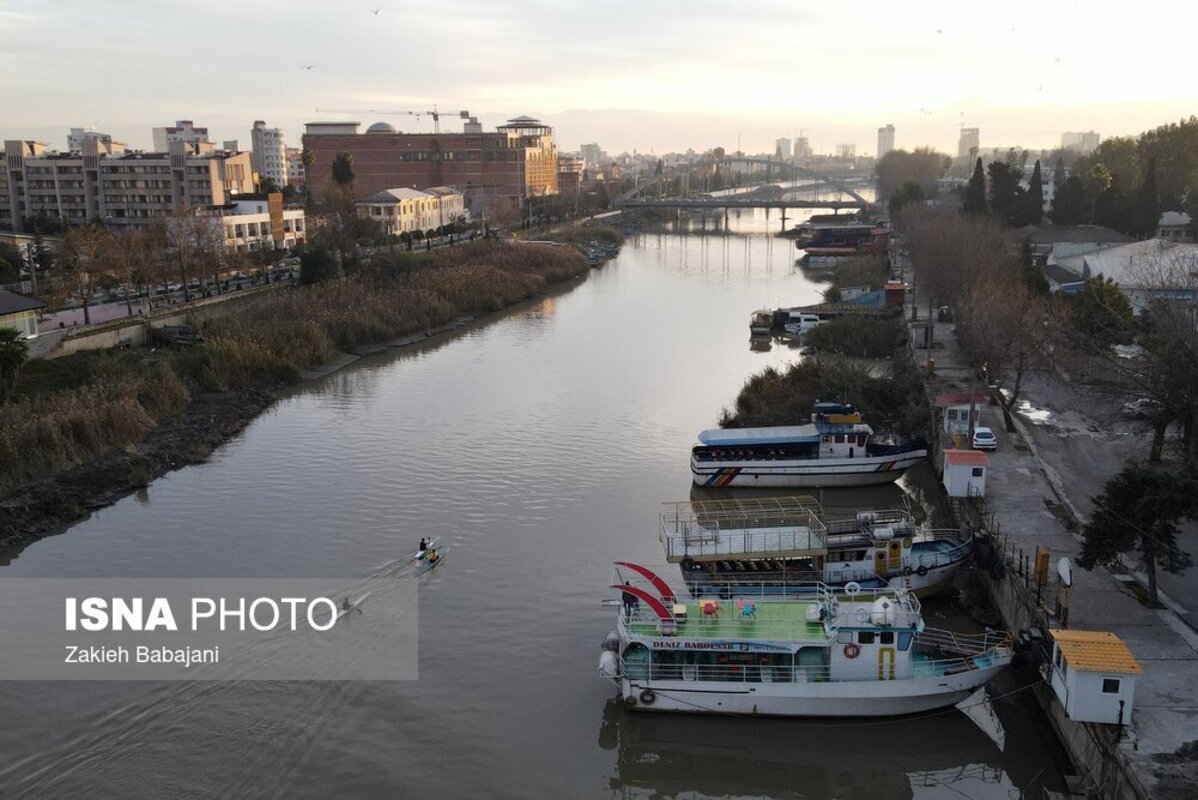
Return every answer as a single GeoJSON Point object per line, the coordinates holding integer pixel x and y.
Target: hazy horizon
{"type": "Point", "coordinates": [625, 76]}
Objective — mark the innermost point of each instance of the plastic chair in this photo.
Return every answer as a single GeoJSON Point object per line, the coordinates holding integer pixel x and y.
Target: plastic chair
{"type": "Point", "coordinates": [748, 610]}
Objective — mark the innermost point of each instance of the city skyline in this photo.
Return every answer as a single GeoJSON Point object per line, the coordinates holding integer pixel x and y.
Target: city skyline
{"type": "Point", "coordinates": [647, 80]}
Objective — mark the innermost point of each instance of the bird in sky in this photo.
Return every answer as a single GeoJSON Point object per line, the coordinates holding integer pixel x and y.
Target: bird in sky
{"type": "Point", "coordinates": [938, 31]}
{"type": "Point", "coordinates": [375, 11]}
{"type": "Point", "coordinates": [308, 66]}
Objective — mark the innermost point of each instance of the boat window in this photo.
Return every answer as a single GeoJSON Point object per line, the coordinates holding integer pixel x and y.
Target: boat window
{"type": "Point", "coordinates": [886, 638]}
{"type": "Point", "coordinates": [844, 637]}
{"type": "Point", "coordinates": [636, 661]}
{"type": "Point", "coordinates": [904, 641]}
{"type": "Point", "coordinates": [840, 438]}
{"type": "Point", "coordinates": [827, 439]}
{"type": "Point", "coordinates": [865, 637]}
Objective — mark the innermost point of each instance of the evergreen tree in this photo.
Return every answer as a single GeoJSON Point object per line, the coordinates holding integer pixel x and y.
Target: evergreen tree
{"type": "Point", "coordinates": [1005, 193]}
{"type": "Point", "coordinates": [975, 193]}
{"type": "Point", "coordinates": [1139, 510]}
{"type": "Point", "coordinates": [1034, 199]}
{"type": "Point", "coordinates": [1069, 204]}
{"type": "Point", "coordinates": [1146, 215]}
{"type": "Point", "coordinates": [343, 169]}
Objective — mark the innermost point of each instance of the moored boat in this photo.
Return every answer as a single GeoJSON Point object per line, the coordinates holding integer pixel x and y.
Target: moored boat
{"type": "Point", "coordinates": [762, 322]}
{"type": "Point", "coordinates": [785, 547]}
{"type": "Point", "coordinates": [862, 656]}
{"type": "Point", "coordinates": [835, 449]}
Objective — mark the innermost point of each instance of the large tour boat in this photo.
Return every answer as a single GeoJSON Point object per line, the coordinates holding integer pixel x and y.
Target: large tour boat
{"type": "Point", "coordinates": [864, 655]}
{"type": "Point", "coordinates": [842, 240]}
{"type": "Point", "coordinates": [836, 449]}
{"type": "Point", "coordinates": [785, 546]}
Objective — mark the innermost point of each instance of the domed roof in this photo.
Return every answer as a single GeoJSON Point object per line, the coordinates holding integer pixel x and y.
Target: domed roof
{"type": "Point", "coordinates": [381, 127]}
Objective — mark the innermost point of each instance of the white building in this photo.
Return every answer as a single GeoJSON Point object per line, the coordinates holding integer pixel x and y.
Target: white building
{"type": "Point", "coordinates": [184, 130]}
{"type": "Point", "coordinates": [269, 152]}
{"type": "Point", "coordinates": [78, 136]}
{"type": "Point", "coordinates": [885, 140]}
{"type": "Point", "coordinates": [260, 222]}
{"type": "Point", "coordinates": [1093, 675]}
{"type": "Point", "coordinates": [965, 473]}
{"type": "Point", "coordinates": [1083, 143]}
{"type": "Point", "coordinates": [1175, 226]}
{"type": "Point", "coordinates": [846, 151]}
{"type": "Point", "coordinates": [19, 312]}
{"type": "Point", "coordinates": [403, 210]}
{"type": "Point", "coordinates": [1146, 270]}
{"type": "Point", "coordinates": [783, 148]}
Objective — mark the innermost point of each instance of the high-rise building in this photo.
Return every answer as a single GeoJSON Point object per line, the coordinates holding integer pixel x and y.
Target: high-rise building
{"type": "Point", "coordinates": [1083, 143]}
{"type": "Point", "coordinates": [296, 175]}
{"type": "Point", "coordinates": [885, 140]}
{"type": "Point", "coordinates": [269, 152]}
{"type": "Point", "coordinates": [497, 171]}
{"type": "Point", "coordinates": [802, 147]}
{"type": "Point", "coordinates": [184, 130]}
{"type": "Point", "coordinates": [846, 151]}
{"type": "Point", "coordinates": [592, 154]}
{"type": "Point", "coordinates": [783, 148]}
{"type": "Point", "coordinates": [967, 146]}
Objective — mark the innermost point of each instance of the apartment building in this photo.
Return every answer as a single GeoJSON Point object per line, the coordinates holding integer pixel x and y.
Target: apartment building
{"type": "Point", "coordinates": [495, 171]}
{"type": "Point", "coordinates": [105, 182]}
{"type": "Point", "coordinates": [296, 175]}
{"type": "Point", "coordinates": [184, 130]}
{"type": "Point", "coordinates": [885, 140]}
{"type": "Point", "coordinates": [401, 210]}
{"type": "Point", "coordinates": [269, 152]}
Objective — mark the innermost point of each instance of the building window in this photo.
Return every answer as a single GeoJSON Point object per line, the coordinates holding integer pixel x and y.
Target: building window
{"type": "Point", "coordinates": [976, 472]}
{"type": "Point", "coordinates": [1110, 686]}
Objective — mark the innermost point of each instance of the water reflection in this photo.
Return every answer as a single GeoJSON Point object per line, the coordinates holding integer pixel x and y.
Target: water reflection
{"type": "Point", "coordinates": [666, 756]}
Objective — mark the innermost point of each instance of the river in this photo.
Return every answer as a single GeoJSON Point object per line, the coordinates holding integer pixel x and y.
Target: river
{"type": "Point", "coordinates": [540, 445]}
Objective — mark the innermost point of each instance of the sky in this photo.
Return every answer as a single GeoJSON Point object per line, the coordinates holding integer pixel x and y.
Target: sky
{"type": "Point", "coordinates": [652, 76]}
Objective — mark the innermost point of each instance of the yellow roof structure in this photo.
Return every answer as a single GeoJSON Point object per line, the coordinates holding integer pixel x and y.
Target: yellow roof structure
{"type": "Point", "coordinates": [1096, 651]}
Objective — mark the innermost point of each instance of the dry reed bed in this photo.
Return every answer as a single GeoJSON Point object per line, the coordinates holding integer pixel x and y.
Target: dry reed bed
{"type": "Point", "coordinates": [268, 342]}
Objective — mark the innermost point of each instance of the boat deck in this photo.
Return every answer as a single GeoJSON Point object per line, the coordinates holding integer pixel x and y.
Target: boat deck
{"type": "Point", "coordinates": [775, 620]}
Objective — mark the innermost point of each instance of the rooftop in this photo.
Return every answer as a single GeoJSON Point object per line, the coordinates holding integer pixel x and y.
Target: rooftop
{"type": "Point", "coordinates": [1134, 264]}
{"type": "Point", "coordinates": [961, 399]}
{"type": "Point", "coordinates": [1096, 651]}
{"type": "Point", "coordinates": [11, 303]}
{"type": "Point", "coordinates": [970, 458]}
{"type": "Point", "coordinates": [1048, 234]}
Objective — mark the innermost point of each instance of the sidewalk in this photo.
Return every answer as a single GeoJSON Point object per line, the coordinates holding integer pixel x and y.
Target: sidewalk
{"type": "Point", "coordinates": [1019, 487]}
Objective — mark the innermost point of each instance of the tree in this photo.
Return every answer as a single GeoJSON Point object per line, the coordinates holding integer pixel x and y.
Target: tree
{"type": "Point", "coordinates": [267, 185]}
{"type": "Point", "coordinates": [1069, 203]}
{"type": "Point", "coordinates": [1115, 208]}
{"type": "Point", "coordinates": [317, 264]}
{"type": "Point", "coordinates": [909, 192]}
{"type": "Point", "coordinates": [343, 169]}
{"type": "Point", "coordinates": [1098, 179]}
{"type": "Point", "coordinates": [975, 193]}
{"type": "Point", "coordinates": [9, 273]}
{"type": "Point", "coordinates": [86, 252]}
{"type": "Point", "coordinates": [1146, 212]}
{"type": "Point", "coordinates": [13, 353]}
{"type": "Point", "coordinates": [1138, 510]}
{"type": "Point", "coordinates": [1033, 205]}
{"type": "Point", "coordinates": [1101, 312]}
{"type": "Point", "coordinates": [1005, 192]}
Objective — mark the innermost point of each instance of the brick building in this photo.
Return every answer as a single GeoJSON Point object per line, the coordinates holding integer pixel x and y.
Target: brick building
{"type": "Point", "coordinates": [495, 171]}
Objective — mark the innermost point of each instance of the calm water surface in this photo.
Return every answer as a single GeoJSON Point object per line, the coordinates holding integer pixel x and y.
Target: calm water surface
{"type": "Point", "coordinates": [540, 445]}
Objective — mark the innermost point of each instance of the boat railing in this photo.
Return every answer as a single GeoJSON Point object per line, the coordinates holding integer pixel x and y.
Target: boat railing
{"type": "Point", "coordinates": [780, 668]}
{"type": "Point", "coordinates": [688, 540]}
{"type": "Point", "coordinates": [943, 558]}
{"type": "Point", "coordinates": [964, 644]}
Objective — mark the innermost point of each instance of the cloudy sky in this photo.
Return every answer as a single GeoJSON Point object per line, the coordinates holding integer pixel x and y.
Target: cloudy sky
{"type": "Point", "coordinates": [654, 75]}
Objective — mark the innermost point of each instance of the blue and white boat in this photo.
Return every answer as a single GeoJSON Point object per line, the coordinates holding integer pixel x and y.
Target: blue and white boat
{"type": "Point", "coordinates": [835, 449]}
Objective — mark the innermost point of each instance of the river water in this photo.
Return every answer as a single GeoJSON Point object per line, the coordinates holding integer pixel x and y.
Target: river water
{"type": "Point", "coordinates": [540, 445]}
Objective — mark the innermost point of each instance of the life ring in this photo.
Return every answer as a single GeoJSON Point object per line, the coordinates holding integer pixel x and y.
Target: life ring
{"type": "Point", "coordinates": [851, 651]}
{"type": "Point", "coordinates": [647, 697]}
{"type": "Point", "coordinates": [863, 614]}
{"type": "Point", "coordinates": [907, 569]}
{"type": "Point", "coordinates": [921, 571]}
{"type": "Point", "coordinates": [852, 588]}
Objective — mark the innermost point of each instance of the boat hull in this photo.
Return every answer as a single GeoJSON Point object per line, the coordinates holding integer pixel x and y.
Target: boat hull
{"type": "Point", "coordinates": [816, 473]}
{"type": "Point", "coordinates": [831, 699]}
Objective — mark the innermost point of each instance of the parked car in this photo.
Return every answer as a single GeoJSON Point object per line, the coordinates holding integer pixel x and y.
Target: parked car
{"type": "Point", "coordinates": [983, 439]}
{"type": "Point", "coordinates": [1142, 408]}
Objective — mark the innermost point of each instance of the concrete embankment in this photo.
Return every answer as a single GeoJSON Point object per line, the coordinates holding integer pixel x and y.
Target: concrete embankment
{"type": "Point", "coordinates": [1156, 754]}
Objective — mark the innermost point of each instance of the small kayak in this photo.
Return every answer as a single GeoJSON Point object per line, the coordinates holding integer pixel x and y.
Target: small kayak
{"type": "Point", "coordinates": [425, 564]}
{"type": "Point", "coordinates": [420, 555]}
{"type": "Point", "coordinates": [354, 606]}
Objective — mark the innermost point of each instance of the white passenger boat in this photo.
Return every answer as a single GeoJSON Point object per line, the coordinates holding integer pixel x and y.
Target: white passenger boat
{"type": "Point", "coordinates": [835, 449]}
{"type": "Point", "coordinates": [785, 546]}
{"type": "Point", "coordinates": [762, 322]}
{"type": "Point", "coordinates": [867, 655]}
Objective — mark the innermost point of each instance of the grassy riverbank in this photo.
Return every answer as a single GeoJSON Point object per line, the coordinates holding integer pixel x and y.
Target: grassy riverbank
{"type": "Point", "coordinates": [73, 411]}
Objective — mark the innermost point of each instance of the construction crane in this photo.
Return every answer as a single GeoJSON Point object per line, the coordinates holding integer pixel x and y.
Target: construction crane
{"type": "Point", "coordinates": [435, 114]}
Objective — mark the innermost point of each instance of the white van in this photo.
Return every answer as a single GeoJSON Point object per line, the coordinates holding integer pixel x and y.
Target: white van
{"type": "Point", "coordinates": [798, 322]}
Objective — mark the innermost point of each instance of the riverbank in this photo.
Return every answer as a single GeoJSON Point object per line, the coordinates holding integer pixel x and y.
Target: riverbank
{"type": "Point", "coordinates": [88, 433]}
